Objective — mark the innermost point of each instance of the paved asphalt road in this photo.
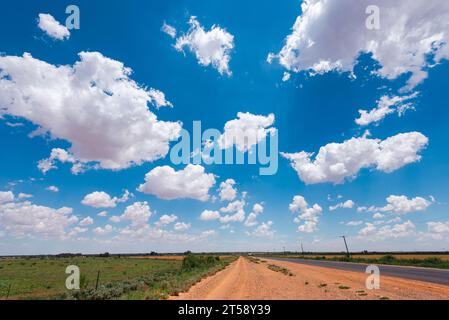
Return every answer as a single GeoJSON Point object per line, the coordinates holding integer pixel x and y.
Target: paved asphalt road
{"type": "Point", "coordinates": [439, 276]}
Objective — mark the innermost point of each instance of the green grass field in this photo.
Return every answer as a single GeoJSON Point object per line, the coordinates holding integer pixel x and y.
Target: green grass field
{"type": "Point", "coordinates": [120, 278]}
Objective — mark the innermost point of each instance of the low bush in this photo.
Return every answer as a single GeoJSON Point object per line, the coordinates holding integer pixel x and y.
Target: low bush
{"type": "Point", "coordinates": [193, 261]}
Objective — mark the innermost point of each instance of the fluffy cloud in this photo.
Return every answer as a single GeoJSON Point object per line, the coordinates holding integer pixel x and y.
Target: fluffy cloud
{"type": "Point", "coordinates": [103, 214]}
{"type": "Point", "coordinates": [52, 28]}
{"type": "Point", "coordinates": [115, 219]}
{"type": "Point", "coordinates": [251, 220]}
{"type": "Point", "coordinates": [166, 219]}
{"type": "Point", "coordinates": [137, 213]}
{"type": "Point", "coordinates": [158, 99]}
{"type": "Point", "coordinates": [182, 226]}
{"type": "Point", "coordinates": [208, 215]}
{"type": "Point", "coordinates": [210, 47]}
{"type": "Point", "coordinates": [190, 183]}
{"type": "Point", "coordinates": [385, 106]}
{"type": "Point", "coordinates": [330, 35]}
{"type": "Point", "coordinates": [246, 131]}
{"type": "Point", "coordinates": [227, 192]}
{"type": "Point", "coordinates": [93, 104]}
{"type": "Point", "coordinates": [336, 162]}
{"type": "Point", "coordinates": [103, 231]}
{"type": "Point", "coordinates": [236, 210]}
{"type": "Point", "coordinates": [6, 196]}
{"type": "Point", "coordinates": [400, 205]}
{"type": "Point", "coordinates": [349, 204]}
{"type": "Point", "coordinates": [309, 216]}
{"type": "Point", "coordinates": [100, 199]}
{"type": "Point", "coordinates": [400, 230]}
{"type": "Point", "coordinates": [77, 230]}
{"type": "Point", "coordinates": [86, 221]}
{"type": "Point", "coordinates": [263, 230]}
{"type": "Point", "coordinates": [378, 215]}
{"type": "Point", "coordinates": [438, 227]}
{"type": "Point", "coordinates": [23, 196]}
{"type": "Point", "coordinates": [52, 189]}
{"type": "Point", "coordinates": [27, 219]}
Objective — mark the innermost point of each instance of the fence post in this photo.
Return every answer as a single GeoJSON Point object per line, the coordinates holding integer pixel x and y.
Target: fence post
{"type": "Point", "coordinates": [98, 278]}
{"type": "Point", "coordinates": [9, 290]}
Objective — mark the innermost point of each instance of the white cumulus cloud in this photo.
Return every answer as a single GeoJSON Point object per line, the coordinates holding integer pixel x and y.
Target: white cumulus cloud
{"type": "Point", "coordinates": [308, 216]}
{"type": "Point", "coordinates": [192, 182]}
{"type": "Point", "coordinates": [330, 35]}
{"type": "Point", "coordinates": [6, 196]}
{"type": "Point", "coordinates": [93, 104]}
{"type": "Point", "coordinates": [182, 226]}
{"type": "Point", "coordinates": [246, 131]}
{"type": "Point", "coordinates": [166, 219]}
{"type": "Point", "coordinates": [336, 162]}
{"type": "Point", "coordinates": [251, 220]}
{"type": "Point", "coordinates": [52, 189]}
{"type": "Point", "coordinates": [101, 199]}
{"type": "Point", "coordinates": [137, 213]}
{"type": "Point", "coordinates": [24, 196]}
{"type": "Point", "coordinates": [263, 230]}
{"type": "Point", "coordinates": [52, 28]}
{"type": "Point", "coordinates": [209, 215]}
{"type": "Point", "coordinates": [400, 205]}
{"type": "Point", "coordinates": [86, 221]}
{"type": "Point", "coordinates": [211, 47]}
{"type": "Point", "coordinates": [395, 231]}
{"type": "Point", "coordinates": [235, 212]}
{"type": "Point", "coordinates": [349, 204]}
{"type": "Point", "coordinates": [438, 227]}
{"type": "Point", "coordinates": [27, 219]}
{"type": "Point", "coordinates": [227, 192]}
{"type": "Point", "coordinates": [99, 231]}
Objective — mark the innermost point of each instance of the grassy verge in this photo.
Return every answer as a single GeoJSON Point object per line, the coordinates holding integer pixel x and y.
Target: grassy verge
{"type": "Point", "coordinates": [428, 262]}
{"type": "Point", "coordinates": [120, 278]}
{"type": "Point", "coordinates": [159, 285]}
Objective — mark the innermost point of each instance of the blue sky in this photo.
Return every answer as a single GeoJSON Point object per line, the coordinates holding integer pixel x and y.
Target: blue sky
{"type": "Point", "coordinates": [315, 107]}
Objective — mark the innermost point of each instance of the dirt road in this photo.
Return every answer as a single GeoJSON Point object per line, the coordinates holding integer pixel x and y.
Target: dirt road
{"type": "Point", "coordinates": [245, 279]}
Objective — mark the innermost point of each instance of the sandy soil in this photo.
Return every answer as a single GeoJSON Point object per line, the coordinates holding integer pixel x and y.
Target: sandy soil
{"type": "Point", "coordinates": [244, 279]}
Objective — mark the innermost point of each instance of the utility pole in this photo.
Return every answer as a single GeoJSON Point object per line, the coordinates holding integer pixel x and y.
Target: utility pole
{"type": "Point", "coordinates": [302, 249]}
{"type": "Point", "coordinates": [346, 245]}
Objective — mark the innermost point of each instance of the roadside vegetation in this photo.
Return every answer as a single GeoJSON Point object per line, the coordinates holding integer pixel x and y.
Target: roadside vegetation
{"type": "Point", "coordinates": [280, 269]}
{"type": "Point", "coordinates": [119, 277]}
{"type": "Point", "coordinates": [255, 260]}
{"type": "Point", "coordinates": [430, 262]}
{"type": "Point", "coordinates": [414, 261]}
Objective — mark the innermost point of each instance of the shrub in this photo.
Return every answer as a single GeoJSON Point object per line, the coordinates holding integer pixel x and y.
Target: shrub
{"type": "Point", "coordinates": [388, 258]}
{"type": "Point", "coordinates": [192, 261]}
